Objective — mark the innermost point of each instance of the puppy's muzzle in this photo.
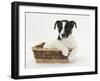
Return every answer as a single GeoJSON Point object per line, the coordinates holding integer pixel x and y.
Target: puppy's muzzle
{"type": "Point", "coordinates": [63, 35]}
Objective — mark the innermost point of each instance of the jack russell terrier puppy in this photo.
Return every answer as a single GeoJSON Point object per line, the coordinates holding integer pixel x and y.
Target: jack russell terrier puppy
{"type": "Point", "coordinates": [65, 39]}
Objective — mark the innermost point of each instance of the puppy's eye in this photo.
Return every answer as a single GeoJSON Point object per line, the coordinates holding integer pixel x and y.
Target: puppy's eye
{"type": "Point", "coordinates": [59, 29]}
{"type": "Point", "coordinates": [59, 25]}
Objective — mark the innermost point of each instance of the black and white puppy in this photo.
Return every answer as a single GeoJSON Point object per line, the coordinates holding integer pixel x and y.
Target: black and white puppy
{"type": "Point", "coordinates": [65, 39]}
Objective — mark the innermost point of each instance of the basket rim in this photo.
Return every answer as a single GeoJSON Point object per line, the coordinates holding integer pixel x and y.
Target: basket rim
{"type": "Point", "coordinates": [45, 49]}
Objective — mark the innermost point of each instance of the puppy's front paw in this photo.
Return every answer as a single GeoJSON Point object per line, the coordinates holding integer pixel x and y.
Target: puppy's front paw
{"type": "Point", "coordinates": [65, 52]}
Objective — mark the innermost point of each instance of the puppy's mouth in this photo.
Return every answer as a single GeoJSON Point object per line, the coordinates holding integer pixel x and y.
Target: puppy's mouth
{"type": "Point", "coordinates": [60, 37]}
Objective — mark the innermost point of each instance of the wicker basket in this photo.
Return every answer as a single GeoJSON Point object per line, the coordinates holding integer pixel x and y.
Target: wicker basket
{"type": "Point", "coordinates": [48, 55]}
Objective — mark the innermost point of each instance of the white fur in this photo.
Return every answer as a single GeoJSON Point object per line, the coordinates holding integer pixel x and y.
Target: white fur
{"type": "Point", "coordinates": [64, 45]}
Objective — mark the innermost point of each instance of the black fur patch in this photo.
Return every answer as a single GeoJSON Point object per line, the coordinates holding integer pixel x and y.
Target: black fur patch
{"type": "Point", "coordinates": [59, 37]}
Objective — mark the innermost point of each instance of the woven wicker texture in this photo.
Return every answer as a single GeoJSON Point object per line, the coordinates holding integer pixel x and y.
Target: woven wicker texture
{"type": "Point", "coordinates": [48, 55]}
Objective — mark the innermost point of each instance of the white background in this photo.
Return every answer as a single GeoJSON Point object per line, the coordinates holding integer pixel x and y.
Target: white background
{"type": "Point", "coordinates": [5, 41]}
{"type": "Point", "coordinates": [40, 28]}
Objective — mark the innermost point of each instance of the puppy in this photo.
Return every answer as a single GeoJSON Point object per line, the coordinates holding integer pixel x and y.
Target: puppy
{"type": "Point", "coordinates": [65, 40]}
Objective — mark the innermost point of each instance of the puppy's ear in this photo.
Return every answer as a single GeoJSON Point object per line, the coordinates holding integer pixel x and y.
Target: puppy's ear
{"type": "Point", "coordinates": [73, 23]}
{"type": "Point", "coordinates": [58, 24]}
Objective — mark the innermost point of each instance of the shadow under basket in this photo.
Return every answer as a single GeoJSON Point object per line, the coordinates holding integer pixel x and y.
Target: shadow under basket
{"type": "Point", "coordinates": [48, 55]}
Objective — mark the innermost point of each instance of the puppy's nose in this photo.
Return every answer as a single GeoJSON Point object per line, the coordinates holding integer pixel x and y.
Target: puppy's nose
{"type": "Point", "coordinates": [63, 35]}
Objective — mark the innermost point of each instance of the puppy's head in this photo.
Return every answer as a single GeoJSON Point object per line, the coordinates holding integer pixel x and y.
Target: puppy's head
{"type": "Point", "coordinates": [64, 28]}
